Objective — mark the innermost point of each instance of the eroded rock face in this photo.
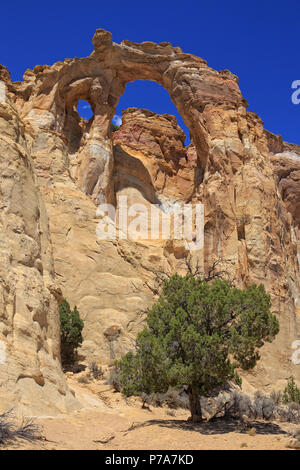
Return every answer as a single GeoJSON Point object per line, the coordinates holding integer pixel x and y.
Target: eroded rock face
{"type": "Point", "coordinates": [157, 142]}
{"type": "Point", "coordinates": [287, 167]}
{"type": "Point", "coordinates": [233, 166]}
{"type": "Point", "coordinates": [286, 162]}
{"type": "Point", "coordinates": [31, 379]}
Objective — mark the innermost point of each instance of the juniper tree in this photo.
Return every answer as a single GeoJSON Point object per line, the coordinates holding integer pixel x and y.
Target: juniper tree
{"type": "Point", "coordinates": [71, 326]}
{"type": "Point", "coordinates": [196, 335]}
{"type": "Point", "coordinates": [291, 393]}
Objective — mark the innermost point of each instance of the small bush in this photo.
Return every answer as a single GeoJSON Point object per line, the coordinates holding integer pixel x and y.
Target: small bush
{"type": "Point", "coordinates": [96, 371]}
{"type": "Point", "coordinates": [240, 406]}
{"type": "Point", "coordinates": [156, 399]}
{"type": "Point", "coordinates": [276, 397]}
{"type": "Point", "coordinates": [293, 413]}
{"type": "Point", "coordinates": [173, 399]}
{"type": "Point", "coordinates": [263, 407]}
{"type": "Point", "coordinates": [258, 394]}
{"type": "Point", "coordinates": [291, 393]}
{"type": "Point", "coordinates": [176, 399]}
{"type": "Point", "coordinates": [114, 380]}
{"type": "Point", "coordinates": [71, 326]}
{"type": "Point", "coordinates": [9, 431]}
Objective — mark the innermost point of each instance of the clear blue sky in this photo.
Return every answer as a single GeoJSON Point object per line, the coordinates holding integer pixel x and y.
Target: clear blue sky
{"type": "Point", "coordinates": [257, 40]}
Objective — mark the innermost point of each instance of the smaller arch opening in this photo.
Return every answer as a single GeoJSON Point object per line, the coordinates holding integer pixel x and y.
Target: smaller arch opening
{"type": "Point", "coordinates": [84, 110]}
{"type": "Point", "coordinates": [78, 120]}
{"type": "Point", "coordinates": [116, 122]}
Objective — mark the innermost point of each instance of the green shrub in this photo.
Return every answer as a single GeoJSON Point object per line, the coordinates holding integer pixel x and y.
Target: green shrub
{"type": "Point", "coordinates": [71, 326]}
{"type": "Point", "coordinates": [291, 393]}
{"type": "Point", "coordinates": [96, 371]}
{"type": "Point", "coordinates": [197, 334]}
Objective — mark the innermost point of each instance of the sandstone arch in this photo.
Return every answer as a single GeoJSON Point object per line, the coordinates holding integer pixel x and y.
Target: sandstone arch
{"type": "Point", "coordinates": [101, 78]}
{"type": "Point", "coordinates": [230, 167]}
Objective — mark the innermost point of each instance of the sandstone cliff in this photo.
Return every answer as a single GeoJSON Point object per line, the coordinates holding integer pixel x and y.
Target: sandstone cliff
{"type": "Point", "coordinates": [246, 177]}
{"type": "Point", "coordinates": [30, 373]}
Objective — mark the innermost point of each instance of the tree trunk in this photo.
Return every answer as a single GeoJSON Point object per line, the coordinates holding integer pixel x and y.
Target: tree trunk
{"type": "Point", "coordinates": [195, 406]}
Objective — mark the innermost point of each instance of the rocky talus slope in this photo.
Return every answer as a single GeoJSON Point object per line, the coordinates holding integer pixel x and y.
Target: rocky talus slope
{"type": "Point", "coordinates": [56, 168]}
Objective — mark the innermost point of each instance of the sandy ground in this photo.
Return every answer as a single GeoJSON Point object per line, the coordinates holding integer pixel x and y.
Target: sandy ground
{"type": "Point", "coordinates": [109, 422]}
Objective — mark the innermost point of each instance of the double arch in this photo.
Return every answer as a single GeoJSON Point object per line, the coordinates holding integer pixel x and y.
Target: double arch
{"type": "Point", "coordinates": [101, 79]}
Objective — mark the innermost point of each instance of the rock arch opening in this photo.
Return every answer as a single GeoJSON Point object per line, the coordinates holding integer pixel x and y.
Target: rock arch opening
{"type": "Point", "coordinates": [84, 110]}
{"type": "Point", "coordinates": [150, 95]}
